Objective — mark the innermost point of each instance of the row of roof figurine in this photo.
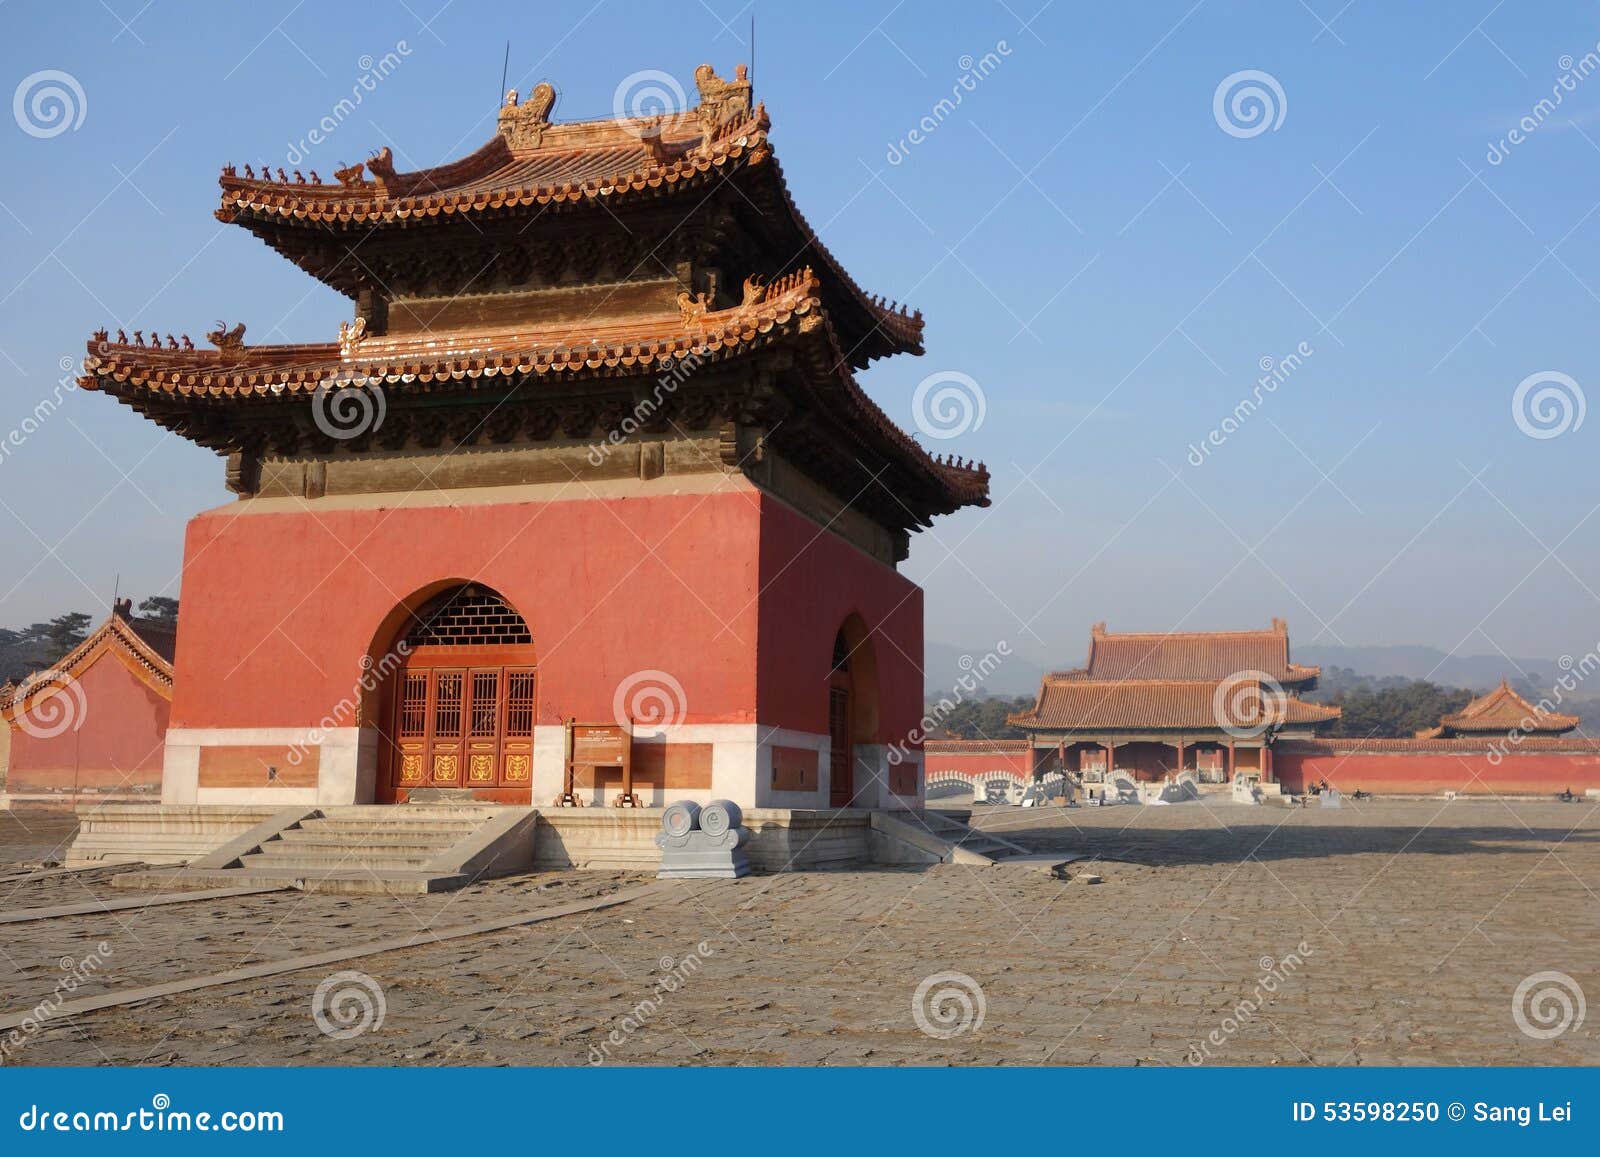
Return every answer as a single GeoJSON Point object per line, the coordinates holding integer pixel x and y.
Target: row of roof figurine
{"type": "Point", "coordinates": [222, 337]}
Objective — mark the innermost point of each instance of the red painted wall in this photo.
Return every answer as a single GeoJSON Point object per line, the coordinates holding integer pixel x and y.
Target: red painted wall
{"type": "Point", "coordinates": [731, 594]}
{"type": "Point", "coordinates": [1016, 762]}
{"type": "Point", "coordinates": [811, 581]}
{"type": "Point", "coordinates": [1421, 773]}
{"type": "Point", "coordinates": [279, 609]}
{"type": "Point", "coordinates": [117, 747]}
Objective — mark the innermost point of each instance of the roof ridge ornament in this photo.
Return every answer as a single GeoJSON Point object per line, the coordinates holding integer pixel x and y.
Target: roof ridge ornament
{"type": "Point", "coordinates": [351, 335]}
{"type": "Point", "coordinates": [721, 101]}
{"type": "Point", "coordinates": [381, 166]}
{"type": "Point", "coordinates": [222, 337]}
{"type": "Point", "coordinates": [523, 124]}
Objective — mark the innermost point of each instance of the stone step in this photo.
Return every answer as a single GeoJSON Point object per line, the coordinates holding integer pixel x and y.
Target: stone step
{"type": "Point", "coordinates": [373, 812]}
{"type": "Point", "coordinates": [302, 837]}
{"type": "Point", "coordinates": [346, 880]}
{"type": "Point", "coordinates": [334, 860]}
{"type": "Point", "coordinates": [279, 850]}
{"type": "Point", "coordinates": [451, 829]}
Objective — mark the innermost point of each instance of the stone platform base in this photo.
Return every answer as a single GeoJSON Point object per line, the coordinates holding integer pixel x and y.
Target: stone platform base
{"type": "Point", "coordinates": [157, 833]}
{"type": "Point", "coordinates": [781, 839]}
{"type": "Point", "coordinates": [432, 847]}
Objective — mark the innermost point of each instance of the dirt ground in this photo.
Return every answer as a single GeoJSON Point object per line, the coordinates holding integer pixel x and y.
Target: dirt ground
{"type": "Point", "coordinates": [1383, 933]}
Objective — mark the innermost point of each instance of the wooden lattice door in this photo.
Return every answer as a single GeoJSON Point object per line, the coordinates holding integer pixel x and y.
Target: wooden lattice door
{"type": "Point", "coordinates": [463, 710]}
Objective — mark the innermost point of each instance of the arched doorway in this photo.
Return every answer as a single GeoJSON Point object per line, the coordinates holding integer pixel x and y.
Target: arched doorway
{"type": "Point", "coordinates": [459, 713]}
{"type": "Point", "coordinates": [852, 707]}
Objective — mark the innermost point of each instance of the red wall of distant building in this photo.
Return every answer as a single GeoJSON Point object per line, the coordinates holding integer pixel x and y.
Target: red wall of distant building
{"type": "Point", "coordinates": [979, 762]}
{"type": "Point", "coordinates": [1429, 773]}
{"type": "Point", "coordinates": [116, 747]}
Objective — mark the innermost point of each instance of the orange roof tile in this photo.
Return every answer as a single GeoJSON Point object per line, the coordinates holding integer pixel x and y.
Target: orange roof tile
{"type": "Point", "coordinates": [976, 746]}
{"type": "Point", "coordinates": [1437, 745]}
{"type": "Point", "coordinates": [1074, 703]}
{"type": "Point", "coordinates": [1502, 710]}
{"type": "Point", "coordinates": [1191, 655]}
{"type": "Point", "coordinates": [145, 646]}
{"type": "Point", "coordinates": [547, 167]}
{"type": "Point", "coordinates": [433, 361]}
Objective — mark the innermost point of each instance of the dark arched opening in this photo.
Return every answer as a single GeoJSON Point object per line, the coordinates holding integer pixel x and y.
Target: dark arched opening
{"type": "Point", "coordinates": [852, 707]}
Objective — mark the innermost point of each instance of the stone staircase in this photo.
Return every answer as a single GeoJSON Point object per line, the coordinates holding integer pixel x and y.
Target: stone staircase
{"type": "Point", "coordinates": [933, 837]}
{"type": "Point", "coordinates": [973, 841]}
{"type": "Point", "coordinates": [411, 848]}
{"type": "Point", "coordinates": [360, 839]}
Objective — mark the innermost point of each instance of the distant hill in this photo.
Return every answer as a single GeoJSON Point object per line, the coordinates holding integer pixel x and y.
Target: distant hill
{"type": "Point", "coordinates": [944, 665]}
{"type": "Point", "coordinates": [1478, 672]}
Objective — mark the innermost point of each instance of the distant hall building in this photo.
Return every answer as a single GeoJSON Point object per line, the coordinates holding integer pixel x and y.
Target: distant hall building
{"type": "Point", "coordinates": [591, 449]}
{"type": "Point", "coordinates": [91, 729]}
{"type": "Point", "coordinates": [1155, 705]}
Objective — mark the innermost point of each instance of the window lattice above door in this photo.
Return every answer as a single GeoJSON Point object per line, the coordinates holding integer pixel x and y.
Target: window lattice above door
{"type": "Point", "coordinates": [468, 616]}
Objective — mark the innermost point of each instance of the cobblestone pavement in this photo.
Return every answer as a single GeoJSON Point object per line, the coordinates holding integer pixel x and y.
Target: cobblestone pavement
{"type": "Point", "coordinates": [1386, 933]}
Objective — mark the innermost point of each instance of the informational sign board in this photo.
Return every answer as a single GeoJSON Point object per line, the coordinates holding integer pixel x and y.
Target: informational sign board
{"type": "Point", "coordinates": [593, 746]}
{"type": "Point", "coordinates": [600, 744]}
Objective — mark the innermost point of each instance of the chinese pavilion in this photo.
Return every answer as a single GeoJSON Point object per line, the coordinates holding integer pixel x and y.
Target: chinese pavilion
{"type": "Point", "coordinates": [1497, 715]}
{"type": "Point", "coordinates": [1210, 702]}
{"type": "Point", "coordinates": [591, 448]}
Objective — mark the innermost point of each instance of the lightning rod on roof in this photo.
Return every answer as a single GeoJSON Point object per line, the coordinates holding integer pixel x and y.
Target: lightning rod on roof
{"type": "Point", "coordinates": [505, 69]}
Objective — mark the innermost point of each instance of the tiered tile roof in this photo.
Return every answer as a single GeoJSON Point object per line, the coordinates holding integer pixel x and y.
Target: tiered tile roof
{"type": "Point", "coordinates": [493, 314]}
{"type": "Point", "coordinates": [1181, 680]}
{"type": "Point", "coordinates": [535, 169]}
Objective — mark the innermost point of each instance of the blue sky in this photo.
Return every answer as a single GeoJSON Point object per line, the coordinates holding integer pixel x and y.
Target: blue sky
{"type": "Point", "coordinates": [1086, 241]}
